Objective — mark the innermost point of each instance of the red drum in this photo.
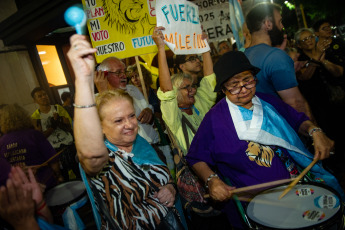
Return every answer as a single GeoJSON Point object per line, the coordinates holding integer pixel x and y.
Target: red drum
{"type": "Point", "coordinates": [306, 206]}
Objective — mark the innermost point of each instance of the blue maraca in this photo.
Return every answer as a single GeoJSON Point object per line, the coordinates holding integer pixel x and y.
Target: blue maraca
{"type": "Point", "coordinates": [75, 16]}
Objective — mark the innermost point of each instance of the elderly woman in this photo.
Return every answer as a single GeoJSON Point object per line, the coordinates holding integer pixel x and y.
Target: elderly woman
{"type": "Point", "coordinates": [180, 98]}
{"type": "Point", "coordinates": [22, 145]}
{"type": "Point", "coordinates": [183, 107]}
{"type": "Point", "coordinates": [249, 137]}
{"type": "Point", "coordinates": [133, 182]}
{"type": "Point", "coordinates": [319, 82]}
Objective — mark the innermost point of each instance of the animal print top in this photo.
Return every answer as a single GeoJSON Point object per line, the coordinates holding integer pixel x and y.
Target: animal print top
{"type": "Point", "coordinates": [127, 190]}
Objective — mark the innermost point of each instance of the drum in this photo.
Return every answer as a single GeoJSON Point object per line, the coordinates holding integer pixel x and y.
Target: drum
{"type": "Point", "coordinates": [69, 194]}
{"type": "Point", "coordinates": [306, 206]}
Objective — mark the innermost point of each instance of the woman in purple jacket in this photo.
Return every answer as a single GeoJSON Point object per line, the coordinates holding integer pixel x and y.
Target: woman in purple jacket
{"type": "Point", "coordinates": [252, 138]}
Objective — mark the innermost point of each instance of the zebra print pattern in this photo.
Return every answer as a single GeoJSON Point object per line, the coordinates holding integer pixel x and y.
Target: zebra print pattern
{"type": "Point", "coordinates": [126, 189]}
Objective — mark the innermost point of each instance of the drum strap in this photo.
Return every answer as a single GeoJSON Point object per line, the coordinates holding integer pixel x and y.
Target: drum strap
{"type": "Point", "coordinates": [239, 206]}
{"type": "Point", "coordinates": [186, 123]}
{"type": "Point", "coordinates": [94, 195]}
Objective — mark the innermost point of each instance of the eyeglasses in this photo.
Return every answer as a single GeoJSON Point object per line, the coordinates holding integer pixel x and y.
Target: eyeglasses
{"type": "Point", "coordinates": [189, 87]}
{"type": "Point", "coordinates": [193, 59]}
{"type": "Point", "coordinates": [248, 85]}
{"type": "Point", "coordinates": [307, 38]}
{"type": "Point", "coordinates": [118, 73]}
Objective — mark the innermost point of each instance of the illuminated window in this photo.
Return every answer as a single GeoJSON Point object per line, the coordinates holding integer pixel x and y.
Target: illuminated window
{"type": "Point", "coordinates": [51, 65]}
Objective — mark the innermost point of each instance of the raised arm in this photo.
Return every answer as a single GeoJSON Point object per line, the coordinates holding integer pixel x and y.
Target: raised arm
{"type": "Point", "coordinates": [334, 69]}
{"type": "Point", "coordinates": [164, 74]}
{"type": "Point", "coordinates": [207, 59]}
{"type": "Point", "coordinates": [88, 134]}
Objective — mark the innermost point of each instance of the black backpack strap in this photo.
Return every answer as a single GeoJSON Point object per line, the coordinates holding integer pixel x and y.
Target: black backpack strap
{"type": "Point", "coordinates": [186, 123]}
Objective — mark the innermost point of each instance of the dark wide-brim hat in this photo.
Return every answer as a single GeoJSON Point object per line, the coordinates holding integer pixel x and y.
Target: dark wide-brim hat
{"type": "Point", "coordinates": [230, 64]}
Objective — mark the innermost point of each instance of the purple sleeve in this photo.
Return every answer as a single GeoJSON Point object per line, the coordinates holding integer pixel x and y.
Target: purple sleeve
{"type": "Point", "coordinates": [5, 169]}
{"type": "Point", "coordinates": [294, 118]}
{"type": "Point", "coordinates": [201, 148]}
{"type": "Point", "coordinates": [46, 149]}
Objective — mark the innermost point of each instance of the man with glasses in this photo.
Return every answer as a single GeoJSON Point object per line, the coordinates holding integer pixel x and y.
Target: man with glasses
{"type": "Point", "coordinates": [111, 74]}
{"type": "Point", "coordinates": [277, 76]}
{"type": "Point", "coordinates": [189, 64]}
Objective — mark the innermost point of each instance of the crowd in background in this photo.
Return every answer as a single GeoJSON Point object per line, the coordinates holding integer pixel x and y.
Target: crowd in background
{"type": "Point", "coordinates": [301, 74]}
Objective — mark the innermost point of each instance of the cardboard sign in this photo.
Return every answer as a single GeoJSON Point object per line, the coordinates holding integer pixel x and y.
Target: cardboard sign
{"type": "Point", "coordinates": [120, 28]}
{"type": "Point", "coordinates": [182, 32]}
{"type": "Point", "coordinates": [215, 19]}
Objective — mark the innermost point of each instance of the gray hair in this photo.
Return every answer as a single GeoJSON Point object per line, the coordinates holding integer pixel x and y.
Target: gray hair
{"type": "Point", "coordinates": [104, 66]}
{"type": "Point", "coordinates": [300, 31]}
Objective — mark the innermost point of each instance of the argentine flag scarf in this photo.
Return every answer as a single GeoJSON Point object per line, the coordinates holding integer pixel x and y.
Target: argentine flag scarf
{"type": "Point", "coordinates": [266, 126]}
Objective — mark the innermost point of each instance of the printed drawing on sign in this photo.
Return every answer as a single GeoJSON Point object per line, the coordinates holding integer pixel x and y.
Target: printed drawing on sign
{"type": "Point", "coordinates": [121, 28]}
{"type": "Point", "coordinates": [127, 16]}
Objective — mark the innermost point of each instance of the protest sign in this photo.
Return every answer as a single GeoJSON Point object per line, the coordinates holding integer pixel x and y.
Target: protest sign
{"type": "Point", "coordinates": [182, 32]}
{"type": "Point", "coordinates": [120, 28]}
{"type": "Point", "coordinates": [215, 18]}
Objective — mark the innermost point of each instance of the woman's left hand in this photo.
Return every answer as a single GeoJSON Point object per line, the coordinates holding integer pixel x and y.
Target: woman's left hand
{"type": "Point", "coordinates": [166, 195]}
{"type": "Point", "coordinates": [323, 145]}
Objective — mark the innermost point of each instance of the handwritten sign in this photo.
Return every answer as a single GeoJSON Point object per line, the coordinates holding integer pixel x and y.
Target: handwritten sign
{"type": "Point", "coordinates": [120, 28]}
{"type": "Point", "coordinates": [182, 32]}
{"type": "Point", "coordinates": [215, 19]}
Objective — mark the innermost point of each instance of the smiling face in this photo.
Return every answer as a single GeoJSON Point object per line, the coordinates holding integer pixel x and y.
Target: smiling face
{"type": "Point", "coordinates": [119, 123]}
{"type": "Point", "coordinates": [186, 94]}
{"type": "Point", "coordinates": [244, 98]}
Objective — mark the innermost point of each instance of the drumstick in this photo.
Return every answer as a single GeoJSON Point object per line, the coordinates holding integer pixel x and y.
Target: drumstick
{"type": "Point", "coordinates": [293, 183]}
{"type": "Point", "coordinates": [46, 162]}
{"type": "Point", "coordinates": [257, 186]}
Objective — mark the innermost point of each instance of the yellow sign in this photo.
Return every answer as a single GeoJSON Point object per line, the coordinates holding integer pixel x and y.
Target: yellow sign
{"type": "Point", "coordinates": [121, 28]}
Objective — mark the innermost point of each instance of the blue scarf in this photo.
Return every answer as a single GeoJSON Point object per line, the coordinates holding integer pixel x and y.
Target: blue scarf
{"type": "Point", "coordinates": [266, 126]}
{"type": "Point", "coordinates": [142, 151]}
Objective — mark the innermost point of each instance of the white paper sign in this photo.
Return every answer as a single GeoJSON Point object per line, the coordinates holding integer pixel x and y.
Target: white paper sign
{"type": "Point", "coordinates": [215, 18]}
{"type": "Point", "coordinates": [182, 32]}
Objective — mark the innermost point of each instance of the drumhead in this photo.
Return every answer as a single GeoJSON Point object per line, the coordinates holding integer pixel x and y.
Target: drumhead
{"type": "Point", "coordinates": [65, 193]}
{"type": "Point", "coordinates": [304, 206]}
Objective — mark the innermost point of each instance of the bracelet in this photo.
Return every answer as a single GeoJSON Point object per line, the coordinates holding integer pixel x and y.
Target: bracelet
{"type": "Point", "coordinates": [84, 106]}
{"type": "Point", "coordinates": [314, 130]}
{"type": "Point", "coordinates": [325, 62]}
{"type": "Point", "coordinates": [210, 178]}
{"type": "Point", "coordinates": [41, 206]}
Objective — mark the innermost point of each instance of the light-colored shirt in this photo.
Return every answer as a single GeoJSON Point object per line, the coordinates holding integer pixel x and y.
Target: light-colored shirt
{"type": "Point", "coordinates": [172, 115]}
{"type": "Point", "coordinates": [145, 130]}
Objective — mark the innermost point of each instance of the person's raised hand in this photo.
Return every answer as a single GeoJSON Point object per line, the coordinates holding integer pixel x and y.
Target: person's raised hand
{"type": "Point", "coordinates": [145, 117]}
{"type": "Point", "coordinates": [101, 80]}
{"type": "Point", "coordinates": [158, 36]}
{"type": "Point", "coordinates": [81, 55]}
{"type": "Point", "coordinates": [19, 178]}
{"type": "Point", "coordinates": [17, 206]}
